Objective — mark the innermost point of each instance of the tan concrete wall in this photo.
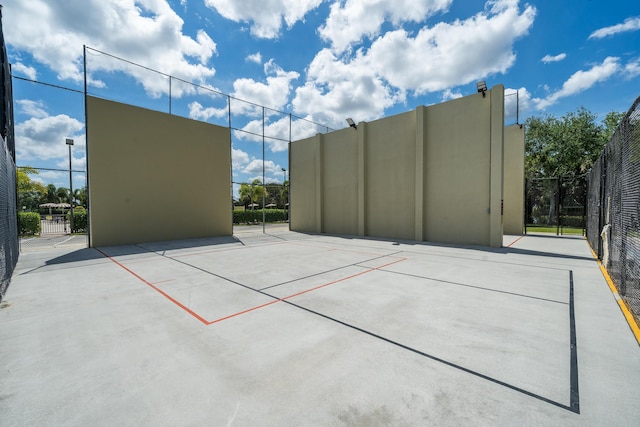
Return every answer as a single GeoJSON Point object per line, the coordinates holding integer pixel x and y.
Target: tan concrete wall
{"type": "Point", "coordinates": [340, 182]}
{"type": "Point", "coordinates": [457, 171]}
{"type": "Point", "coordinates": [303, 183]}
{"type": "Point", "coordinates": [154, 176]}
{"type": "Point", "coordinates": [433, 174]}
{"type": "Point", "coordinates": [390, 177]}
{"type": "Point", "coordinates": [514, 179]}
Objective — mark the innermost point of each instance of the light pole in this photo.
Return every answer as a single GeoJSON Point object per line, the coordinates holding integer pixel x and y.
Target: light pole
{"type": "Point", "coordinates": [69, 142]}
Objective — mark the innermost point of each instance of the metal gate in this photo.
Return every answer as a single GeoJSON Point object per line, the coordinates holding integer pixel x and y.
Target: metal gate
{"type": "Point", "coordinates": [556, 204]}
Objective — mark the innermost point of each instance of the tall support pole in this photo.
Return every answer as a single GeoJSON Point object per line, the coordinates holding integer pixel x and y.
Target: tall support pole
{"type": "Point", "coordinates": [288, 192]}
{"type": "Point", "coordinates": [517, 107]}
{"type": "Point", "coordinates": [263, 183]}
{"type": "Point", "coordinates": [231, 158]}
{"type": "Point", "coordinates": [86, 144]}
{"type": "Point", "coordinates": [69, 142]}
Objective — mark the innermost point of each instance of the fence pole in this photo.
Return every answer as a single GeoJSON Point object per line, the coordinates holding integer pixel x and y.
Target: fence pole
{"type": "Point", "coordinates": [558, 206]}
{"type": "Point", "coordinates": [263, 183]}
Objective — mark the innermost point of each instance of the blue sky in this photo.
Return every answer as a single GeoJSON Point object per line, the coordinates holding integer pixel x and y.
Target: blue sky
{"type": "Point", "coordinates": [321, 60]}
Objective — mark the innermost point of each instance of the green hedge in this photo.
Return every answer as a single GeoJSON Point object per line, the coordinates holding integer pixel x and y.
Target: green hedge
{"type": "Point", "coordinates": [79, 221]}
{"type": "Point", "coordinates": [271, 215]}
{"type": "Point", "coordinates": [29, 223]}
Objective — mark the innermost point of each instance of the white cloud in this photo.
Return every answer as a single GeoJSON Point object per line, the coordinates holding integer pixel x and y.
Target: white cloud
{"type": "Point", "coordinates": [239, 158]}
{"type": "Point", "coordinates": [458, 52]}
{"type": "Point", "coordinates": [198, 112]}
{"type": "Point", "coordinates": [250, 95]}
{"type": "Point", "coordinates": [351, 20]}
{"type": "Point", "coordinates": [20, 69]}
{"type": "Point", "coordinates": [255, 168]}
{"type": "Point", "coordinates": [449, 94]}
{"type": "Point", "coordinates": [629, 24]}
{"type": "Point", "coordinates": [43, 137]}
{"type": "Point", "coordinates": [335, 90]}
{"type": "Point", "coordinates": [517, 102]}
{"type": "Point", "coordinates": [77, 163]}
{"type": "Point", "coordinates": [265, 16]}
{"type": "Point", "coordinates": [581, 81]}
{"type": "Point", "coordinates": [254, 57]}
{"type": "Point", "coordinates": [276, 133]}
{"type": "Point", "coordinates": [32, 108]}
{"type": "Point", "coordinates": [273, 94]}
{"type": "Point", "coordinates": [147, 32]}
{"type": "Point", "coordinates": [548, 58]}
{"type": "Point", "coordinates": [363, 84]}
{"type": "Point", "coordinates": [632, 69]}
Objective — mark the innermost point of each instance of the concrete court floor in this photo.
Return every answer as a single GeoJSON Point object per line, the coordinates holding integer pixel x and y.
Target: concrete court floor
{"type": "Point", "coordinates": [297, 329]}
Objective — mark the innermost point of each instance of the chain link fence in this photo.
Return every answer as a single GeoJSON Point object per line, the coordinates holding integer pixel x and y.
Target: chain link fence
{"type": "Point", "coordinates": [8, 224]}
{"type": "Point", "coordinates": [556, 204]}
{"type": "Point", "coordinates": [613, 225]}
{"type": "Point", "coordinates": [8, 219]}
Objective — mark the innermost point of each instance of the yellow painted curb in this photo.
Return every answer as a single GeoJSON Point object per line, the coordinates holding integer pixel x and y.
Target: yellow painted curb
{"type": "Point", "coordinates": [633, 324]}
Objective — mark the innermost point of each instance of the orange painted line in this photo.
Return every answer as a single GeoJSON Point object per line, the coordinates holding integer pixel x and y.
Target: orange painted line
{"type": "Point", "coordinates": [207, 323]}
{"type": "Point", "coordinates": [514, 242]}
{"type": "Point", "coordinates": [343, 279]}
{"type": "Point", "coordinates": [160, 291]}
{"type": "Point", "coordinates": [369, 270]}
{"type": "Point", "coordinates": [243, 312]}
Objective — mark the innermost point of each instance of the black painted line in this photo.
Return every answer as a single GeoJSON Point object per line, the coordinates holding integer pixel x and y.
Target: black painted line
{"type": "Point", "coordinates": [437, 359]}
{"type": "Point", "coordinates": [355, 264]}
{"type": "Point", "coordinates": [574, 398]}
{"type": "Point", "coordinates": [472, 286]}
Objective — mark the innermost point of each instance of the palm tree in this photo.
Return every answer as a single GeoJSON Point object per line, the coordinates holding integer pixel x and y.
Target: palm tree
{"type": "Point", "coordinates": [259, 191]}
{"type": "Point", "coordinates": [246, 192]}
{"type": "Point", "coordinates": [51, 196]}
{"type": "Point", "coordinates": [63, 195]}
{"type": "Point", "coordinates": [254, 191]}
{"type": "Point", "coordinates": [80, 196]}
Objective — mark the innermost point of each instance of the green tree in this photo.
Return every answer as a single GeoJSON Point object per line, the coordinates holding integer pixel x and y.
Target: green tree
{"type": "Point", "coordinates": [259, 191]}
{"type": "Point", "coordinates": [566, 146]}
{"type": "Point", "coordinates": [29, 192]}
{"type": "Point", "coordinates": [245, 193]}
{"type": "Point", "coordinates": [253, 192]}
{"type": "Point", "coordinates": [610, 123]}
{"type": "Point", "coordinates": [563, 147]}
{"type": "Point", "coordinates": [80, 196]}
{"type": "Point", "coordinates": [277, 194]}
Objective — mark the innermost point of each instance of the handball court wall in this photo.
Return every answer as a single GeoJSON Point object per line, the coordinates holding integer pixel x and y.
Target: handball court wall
{"type": "Point", "coordinates": [434, 174]}
{"type": "Point", "coordinates": [155, 176]}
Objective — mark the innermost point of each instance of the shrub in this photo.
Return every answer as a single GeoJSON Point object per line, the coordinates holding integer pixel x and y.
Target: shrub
{"type": "Point", "coordinates": [271, 215]}
{"type": "Point", "coordinates": [29, 223]}
{"type": "Point", "coordinates": [79, 220]}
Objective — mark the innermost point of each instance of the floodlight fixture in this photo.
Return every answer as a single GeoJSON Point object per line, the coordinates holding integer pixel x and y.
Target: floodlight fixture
{"type": "Point", "coordinates": [482, 87]}
{"type": "Point", "coordinates": [352, 123]}
{"type": "Point", "coordinates": [69, 141]}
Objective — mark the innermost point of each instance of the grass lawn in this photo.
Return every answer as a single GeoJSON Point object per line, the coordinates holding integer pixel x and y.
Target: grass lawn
{"type": "Point", "coordinates": [532, 228]}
